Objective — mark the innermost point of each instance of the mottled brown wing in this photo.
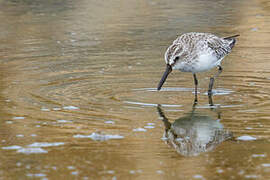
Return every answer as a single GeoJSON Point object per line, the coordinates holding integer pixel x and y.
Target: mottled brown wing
{"type": "Point", "coordinates": [220, 46]}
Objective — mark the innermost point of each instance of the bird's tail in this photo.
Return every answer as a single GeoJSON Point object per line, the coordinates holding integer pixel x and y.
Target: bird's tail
{"type": "Point", "coordinates": [232, 39]}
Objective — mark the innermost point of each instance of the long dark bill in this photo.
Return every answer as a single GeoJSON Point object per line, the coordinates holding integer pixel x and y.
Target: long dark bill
{"type": "Point", "coordinates": [164, 77]}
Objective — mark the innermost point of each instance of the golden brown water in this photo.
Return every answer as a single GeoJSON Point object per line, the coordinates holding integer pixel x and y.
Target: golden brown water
{"type": "Point", "coordinates": [73, 68]}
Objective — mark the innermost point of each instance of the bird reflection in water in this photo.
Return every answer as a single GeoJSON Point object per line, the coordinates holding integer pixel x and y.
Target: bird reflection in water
{"type": "Point", "coordinates": [194, 133]}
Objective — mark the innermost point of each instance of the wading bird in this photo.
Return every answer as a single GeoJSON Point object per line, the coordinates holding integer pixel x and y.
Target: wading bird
{"type": "Point", "coordinates": [197, 52]}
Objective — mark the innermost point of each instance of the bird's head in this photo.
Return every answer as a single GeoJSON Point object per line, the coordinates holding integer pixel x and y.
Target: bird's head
{"type": "Point", "coordinates": [172, 56]}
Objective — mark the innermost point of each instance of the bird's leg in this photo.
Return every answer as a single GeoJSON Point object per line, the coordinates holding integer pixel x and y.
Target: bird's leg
{"type": "Point", "coordinates": [196, 88]}
{"type": "Point", "coordinates": [212, 80]}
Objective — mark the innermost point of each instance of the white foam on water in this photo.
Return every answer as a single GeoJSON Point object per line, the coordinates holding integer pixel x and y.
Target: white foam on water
{"type": "Point", "coordinates": [220, 171]}
{"type": "Point", "coordinates": [12, 147]}
{"type": "Point", "coordinates": [45, 109]}
{"type": "Point", "coordinates": [45, 144]}
{"type": "Point", "coordinates": [18, 117]}
{"type": "Point", "coordinates": [74, 173]}
{"type": "Point", "coordinates": [246, 138]}
{"type": "Point", "coordinates": [31, 151]}
{"type": "Point", "coordinates": [110, 171]}
{"type": "Point", "coordinates": [34, 148]}
{"type": "Point", "coordinates": [19, 135]}
{"type": "Point", "coordinates": [63, 121]}
{"type": "Point", "coordinates": [109, 122]}
{"type": "Point", "coordinates": [139, 130]}
{"type": "Point", "coordinates": [56, 109]}
{"type": "Point", "coordinates": [258, 155]}
{"type": "Point", "coordinates": [36, 175]}
{"type": "Point", "coordinates": [198, 176]}
{"type": "Point", "coordinates": [254, 29]}
{"type": "Point", "coordinates": [18, 164]}
{"type": "Point", "coordinates": [266, 164]}
{"type": "Point", "coordinates": [99, 137]}
{"type": "Point", "coordinates": [149, 127]}
{"type": "Point", "coordinates": [70, 167]}
{"type": "Point", "coordinates": [251, 176]}
{"type": "Point", "coordinates": [70, 108]}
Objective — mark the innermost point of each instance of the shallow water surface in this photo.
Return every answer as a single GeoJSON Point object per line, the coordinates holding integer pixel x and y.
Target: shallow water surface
{"type": "Point", "coordinates": [78, 92]}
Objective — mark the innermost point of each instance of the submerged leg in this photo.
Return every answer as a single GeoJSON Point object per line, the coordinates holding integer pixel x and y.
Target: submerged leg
{"type": "Point", "coordinates": [212, 79]}
{"type": "Point", "coordinates": [196, 88]}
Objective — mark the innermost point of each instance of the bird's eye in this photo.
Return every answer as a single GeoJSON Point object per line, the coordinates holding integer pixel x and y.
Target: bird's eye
{"type": "Point", "coordinates": [176, 58]}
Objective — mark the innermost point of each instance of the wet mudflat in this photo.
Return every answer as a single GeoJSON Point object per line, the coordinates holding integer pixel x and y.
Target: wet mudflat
{"type": "Point", "coordinates": [78, 95]}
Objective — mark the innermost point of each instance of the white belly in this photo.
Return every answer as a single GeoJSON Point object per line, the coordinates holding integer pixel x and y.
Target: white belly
{"type": "Point", "coordinates": [206, 62]}
{"type": "Point", "coordinates": [203, 63]}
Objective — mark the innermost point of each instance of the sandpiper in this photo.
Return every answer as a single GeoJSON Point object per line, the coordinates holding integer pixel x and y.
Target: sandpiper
{"type": "Point", "coordinates": [197, 52]}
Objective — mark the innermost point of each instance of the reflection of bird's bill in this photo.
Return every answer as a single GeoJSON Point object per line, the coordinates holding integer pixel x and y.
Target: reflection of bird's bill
{"type": "Point", "coordinates": [164, 77]}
